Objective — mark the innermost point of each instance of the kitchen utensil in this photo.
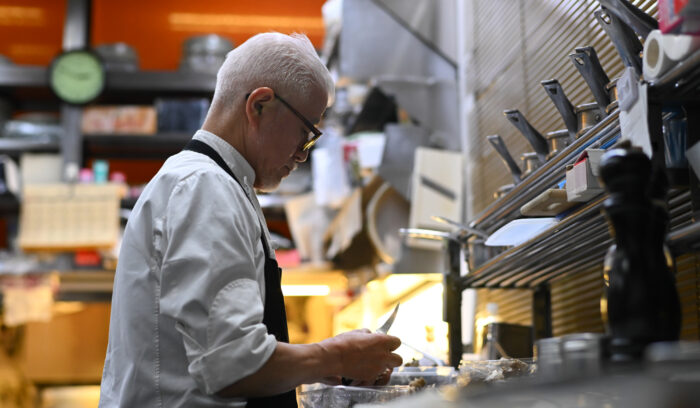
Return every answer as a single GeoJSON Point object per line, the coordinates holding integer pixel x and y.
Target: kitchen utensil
{"type": "Point", "coordinates": [384, 328]}
{"type": "Point", "coordinates": [557, 141]}
{"type": "Point", "coordinates": [519, 231]}
{"type": "Point", "coordinates": [623, 37]}
{"type": "Point", "coordinates": [611, 88]}
{"type": "Point", "coordinates": [588, 115]}
{"type": "Point", "coordinates": [464, 229]}
{"type": "Point", "coordinates": [588, 65]}
{"type": "Point", "coordinates": [550, 203]}
{"type": "Point", "coordinates": [386, 212]}
{"type": "Point", "coordinates": [531, 161]}
{"type": "Point", "coordinates": [503, 190]}
{"type": "Point", "coordinates": [205, 53]}
{"type": "Point", "coordinates": [639, 21]}
{"type": "Point", "coordinates": [500, 147]}
{"type": "Point", "coordinates": [563, 105]}
{"type": "Point", "coordinates": [430, 357]}
{"type": "Point", "coordinates": [537, 141]}
{"type": "Point", "coordinates": [118, 56]}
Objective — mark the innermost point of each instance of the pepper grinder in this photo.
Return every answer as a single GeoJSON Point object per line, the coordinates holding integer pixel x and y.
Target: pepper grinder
{"type": "Point", "coordinates": [642, 300]}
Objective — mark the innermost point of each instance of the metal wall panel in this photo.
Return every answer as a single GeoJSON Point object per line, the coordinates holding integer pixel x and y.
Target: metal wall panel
{"type": "Point", "coordinates": [517, 44]}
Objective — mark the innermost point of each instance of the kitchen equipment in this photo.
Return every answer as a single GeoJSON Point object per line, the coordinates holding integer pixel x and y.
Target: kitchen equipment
{"type": "Point", "coordinates": [204, 53]}
{"type": "Point", "coordinates": [464, 230]}
{"type": "Point", "coordinates": [323, 396]}
{"type": "Point", "coordinates": [641, 22]}
{"type": "Point", "coordinates": [506, 340]}
{"type": "Point", "coordinates": [500, 147]}
{"type": "Point", "coordinates": [580, 118]}
{"type": "Point", "coordinates": [551, 202]}
{"type": "Point", "coordinates": [611, 89]}
{"type": "Point", "coordinates": [386, 212]}
{"type": "Point", "coordinates": [623, 37]}
{"type": "Point", "coordinates": [588, 115]}
{"type": "Point", "coordinates": [642, 299]}
{"type": "Point", "coordinates": [563, 105]}
{"type": "Point", "coordinates": [519, 231]}
{"type": "Point", "coordinates": [582, 354]}
{"type": "Point", "coordinates": [588, 65]}
{"type": "Point", "coordinates": [384, 328]}
{"type": "Point", "coordinates": [503, 190]}
{"type": "Point", "coordinates": [118, 56]}
{"type": "Point", "coordinates": [537, 141]}
{"type": "Point", "coordinates": [557, 141]}
{"type": "Point", "coordinates": [550, 363]}
{"type": "Point", "coordinates": [531, 162]}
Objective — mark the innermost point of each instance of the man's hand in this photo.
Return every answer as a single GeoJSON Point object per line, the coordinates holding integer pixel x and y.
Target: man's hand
{"type": "Point", "coordinates": [364, 356]}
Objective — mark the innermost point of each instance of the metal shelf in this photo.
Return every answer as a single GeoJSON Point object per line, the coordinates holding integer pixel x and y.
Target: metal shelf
{"type": "Point", "coordinates": [23, 76]}
{"type": "Point", "coordinates": [161, 82]}
{"type": "Point", "coordinates": [682, 82]}
{"type": "Point", "coordinates": [158, 146]}
{"type": "Point", "coordinates": [16, 146]}
{"type": "Point", "coordinates": [32, 76]}
{"type": "Point", "coordinates": [507, 208]}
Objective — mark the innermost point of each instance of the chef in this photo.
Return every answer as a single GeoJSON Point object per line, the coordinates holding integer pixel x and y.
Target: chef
{"type": "Point", "coordinates": [198, 316]}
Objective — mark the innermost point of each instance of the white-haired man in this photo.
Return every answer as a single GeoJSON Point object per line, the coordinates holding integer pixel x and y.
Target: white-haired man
{"type": "Point", "coordinates": [198, 316]}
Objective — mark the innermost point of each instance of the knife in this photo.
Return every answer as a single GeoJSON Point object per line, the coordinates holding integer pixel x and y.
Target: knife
{"type": "Point", "coordinates": [383, 329]}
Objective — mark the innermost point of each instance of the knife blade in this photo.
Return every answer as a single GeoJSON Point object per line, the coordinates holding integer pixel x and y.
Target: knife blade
{"type": "Point", "coordinates": [383, 329]}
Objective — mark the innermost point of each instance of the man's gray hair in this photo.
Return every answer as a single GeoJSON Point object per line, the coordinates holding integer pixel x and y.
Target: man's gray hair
{"type": "Point", "coordinates": [288, 64]}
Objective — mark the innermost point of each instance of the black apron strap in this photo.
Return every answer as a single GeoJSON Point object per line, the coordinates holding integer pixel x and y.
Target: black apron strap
{"type": "Point", "coordinates": [274, 313]}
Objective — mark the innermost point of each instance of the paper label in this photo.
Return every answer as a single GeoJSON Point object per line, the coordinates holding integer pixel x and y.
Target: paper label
{"type": "Point", "coordinates": [633, 122]}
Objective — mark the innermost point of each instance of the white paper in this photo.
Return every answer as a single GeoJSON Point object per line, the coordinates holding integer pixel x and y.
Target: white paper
{"type": "Point", "coordinates": [633, 122]}
{"type": "Point", "coordinates": [519, 231]}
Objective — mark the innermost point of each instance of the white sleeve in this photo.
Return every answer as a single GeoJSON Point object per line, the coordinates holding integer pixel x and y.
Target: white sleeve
{"type": "Point", "coordinates": [209, 280]}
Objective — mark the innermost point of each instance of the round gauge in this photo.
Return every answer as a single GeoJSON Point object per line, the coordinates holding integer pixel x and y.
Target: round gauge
{"type": "Point", "coordinates": [77, 77]}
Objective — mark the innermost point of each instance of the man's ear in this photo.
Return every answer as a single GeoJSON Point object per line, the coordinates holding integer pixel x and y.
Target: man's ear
{"type": "Point", "coordinates": [256, 103]}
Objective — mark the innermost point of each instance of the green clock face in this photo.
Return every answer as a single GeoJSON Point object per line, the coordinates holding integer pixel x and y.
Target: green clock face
{"type": "Point", "coordinates": [77, 77]}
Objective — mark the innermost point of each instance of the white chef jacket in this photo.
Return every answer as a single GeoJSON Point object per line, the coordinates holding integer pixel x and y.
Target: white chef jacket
{"type": "Point", "coordinates": [189, 290]}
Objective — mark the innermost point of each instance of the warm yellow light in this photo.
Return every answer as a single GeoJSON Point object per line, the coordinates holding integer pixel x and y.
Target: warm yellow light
{"type": "Point", "coordinates": [21, 16]}
{"type": "Point", "coordinates": [306, 290]}
{"type": "Point", "coordinates": [242, 22]}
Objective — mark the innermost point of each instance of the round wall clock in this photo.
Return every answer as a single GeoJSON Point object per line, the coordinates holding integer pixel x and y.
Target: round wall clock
{"type": "Point", "coordinates": [77, 77]}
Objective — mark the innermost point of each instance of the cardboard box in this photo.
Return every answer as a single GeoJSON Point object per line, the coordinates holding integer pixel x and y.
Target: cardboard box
{"type": "Point", "coordinates": [582, 176]}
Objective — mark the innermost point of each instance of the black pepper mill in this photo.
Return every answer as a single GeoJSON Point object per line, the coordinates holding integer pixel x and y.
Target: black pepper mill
{"type": "Point", "coordinates": [642, 299]}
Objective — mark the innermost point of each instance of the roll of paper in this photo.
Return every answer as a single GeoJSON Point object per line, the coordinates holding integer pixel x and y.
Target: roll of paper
{"type": "Point", "coordinates": [679, 47]}
{"type": "Point", "coordinates": [656, 61]}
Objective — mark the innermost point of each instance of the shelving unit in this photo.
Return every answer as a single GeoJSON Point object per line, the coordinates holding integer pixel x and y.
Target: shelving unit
{"type": "Point", "coordinates": [581, 238]}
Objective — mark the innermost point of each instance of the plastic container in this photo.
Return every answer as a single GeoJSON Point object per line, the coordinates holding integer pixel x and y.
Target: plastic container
{"type": "Point", "coordinates": [433, 376]}
{"type": "Point", "coordinates": [340, 396]}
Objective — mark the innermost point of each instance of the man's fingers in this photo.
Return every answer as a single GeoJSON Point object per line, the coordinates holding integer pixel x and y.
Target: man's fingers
{"type": "Point", "coordinates": [395, 360]}
{"type": "Point", "coordinates": [392, 342]}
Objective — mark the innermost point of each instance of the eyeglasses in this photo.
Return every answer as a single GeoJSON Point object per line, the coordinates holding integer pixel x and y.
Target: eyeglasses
{"type": "Point", "coordinates": [313, 129]}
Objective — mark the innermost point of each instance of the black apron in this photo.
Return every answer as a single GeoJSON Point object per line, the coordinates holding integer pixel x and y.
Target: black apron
{"type": "Point", "coordinates": [274, 315]}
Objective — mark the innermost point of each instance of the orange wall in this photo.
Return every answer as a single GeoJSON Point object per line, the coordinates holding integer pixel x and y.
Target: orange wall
{"type": "Point", "coordinates": [31, 30]}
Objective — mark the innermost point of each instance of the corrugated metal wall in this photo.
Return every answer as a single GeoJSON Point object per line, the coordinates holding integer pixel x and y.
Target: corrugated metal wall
{"type": "Point", "coordinates": [517, 44]}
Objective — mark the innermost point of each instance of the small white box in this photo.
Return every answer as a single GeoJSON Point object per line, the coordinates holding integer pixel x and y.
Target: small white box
{"type": "Point", "coordinates": [582, 176]}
